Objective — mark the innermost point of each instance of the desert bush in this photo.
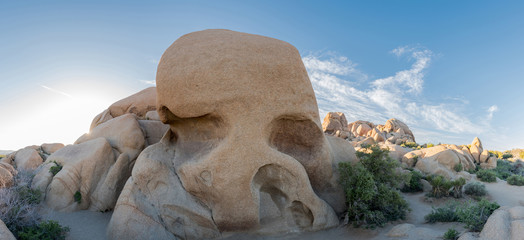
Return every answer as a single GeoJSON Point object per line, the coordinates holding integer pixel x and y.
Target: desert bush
{"type": "Point", "coordinates": [77, 197]}
{"type": "Point", "coordinates": [451, 234]}
{"type": "Point", "coordinates": [28, 195]}
{"type": "Point", "coordinates": [409, 145]}
{"type": "Point", "coordinates": [370, 188]}
{"type": "Point", "coordinates": [474, 216]}
{"type": "Point", "coordinates": [15, 212]}
{"type": "Point", "coordinates": [521, 155]}
{"type": "Point", "coordinates": [497, 154]}
{"type": "Point", "coordinates": [516, 180]}
{"type": "Point", "coordinates": [507, 155]}
{"type": "Point", "coordinates": [440, 186]}
{"type": "Point", "coordinates": [55, 169]}
{"type": "Point", "coordinates": [487, 175]}
{"type": "Point", "coordinates": [475, 189]}
{"type": "Point", "coordinates": [458, 167]}
{"type": "Point", "coordinates": [44, 230]}
{"type": "Point", "coordinates": [457, 186]}
{"type": "Point", "coordinates": [443, 214]}
{"type": "Point", "coordinates": [414, 185]}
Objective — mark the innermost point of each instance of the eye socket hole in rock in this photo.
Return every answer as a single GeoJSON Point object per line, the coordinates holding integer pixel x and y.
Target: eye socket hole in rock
{"type": "Point", "coordinates": [277, 212]}
{"type": "Point", "coordinates": [300, 139]}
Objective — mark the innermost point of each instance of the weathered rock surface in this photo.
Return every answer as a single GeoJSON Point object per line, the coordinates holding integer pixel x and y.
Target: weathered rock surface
{"type": "Point", "coordinates": [138, 104]}
{"type": "Point", "coordinates": [50, 148]}
{"type": "Point", "coordinates": [27, 159]}
{"type": "Point", "coordinates": [335, 121]}
{"type": "Point", "coordinates": [5, 234]}
{"type": "Point", "coordinates": [97, 166]}
{"type": "Point", "coordinates": [439, 160]}
{"type": "Point", "coordinates": [505, 224]}
{"type": "Point", "coordinates": [244, 149]}
{"type": "Point", "coordinates": [7, 174]}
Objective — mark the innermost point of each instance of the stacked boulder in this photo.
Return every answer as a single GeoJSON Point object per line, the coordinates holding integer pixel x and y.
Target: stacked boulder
{"type": "Point", "coordinates": [25, 159]}
{"type": "Point", "coordinates": [91, 173]}
{"type": "Point", "coordinates": [360, 132]}
{"type": "Point", "coordinates": [444, 159]}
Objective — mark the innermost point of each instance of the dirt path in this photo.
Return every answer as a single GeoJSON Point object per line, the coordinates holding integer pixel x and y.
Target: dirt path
{"type": "Point", "coordinates": [84, 225]}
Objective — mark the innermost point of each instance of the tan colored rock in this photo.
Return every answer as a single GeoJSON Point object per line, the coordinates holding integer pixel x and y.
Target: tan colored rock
{"type": "Point", "coordinates": [334, 121]}
{"type": "Point", "coordinates": [395, 151]}
{"type": "Point", "coordinates": [5, 234]}
{"type": "Point", "coordinates": [50, 148]}
{"type": "Point", "coordinates": [244, 129]}
{"type": "Point", "coordinates": [7, 174]}
{"type": "Point", "coordinates": [491, 163]}
{"type": "Point", "coordinates": [154, 130]}
{"type": "Point", "coordinates": [152, 115]}
{"type": "Point", "coordinates": [138, 104]}
{"type": "Point", "coordinates": [97, 165]}
{"type": "Point", "coordinates": [395, 125]}
{"type": "Point", "coordinates": [27, 159]}
{"type": "Point", "coordinates": [440, 160]}
{"type": "Point", "coordinates": [484, 156]}
{"type": "Point", "coordinates": [477, 142]}
{"type": "Point", "coordinates": [476, 149]}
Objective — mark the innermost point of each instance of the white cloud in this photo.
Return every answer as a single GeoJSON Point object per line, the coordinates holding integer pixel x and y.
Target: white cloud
{"type": "Point", "coordinates": [149, 82]}
{"type": "Point", "coordinates": [397, 96]}
{"type": "Point", "coordinates": [492, 110]}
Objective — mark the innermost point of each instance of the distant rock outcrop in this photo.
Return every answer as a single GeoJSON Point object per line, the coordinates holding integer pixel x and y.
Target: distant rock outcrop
{"type": "Point", "coordinates": [363, 132]}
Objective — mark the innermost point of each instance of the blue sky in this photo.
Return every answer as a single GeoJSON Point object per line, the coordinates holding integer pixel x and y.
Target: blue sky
{"type": "Point", "coordinates": [451, 70]}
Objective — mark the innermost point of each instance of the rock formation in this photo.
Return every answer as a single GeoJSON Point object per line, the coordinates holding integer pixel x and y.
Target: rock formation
{"type": "Point", "coordinates": [5, 234]}
{"type": "Point", "coordinates": [245, 148]}
{"type": "Point", "coordinates": [504, 224]}
{"type": "Point", "coordinates": [100, 162]}
{"type": "Point", "coordinates": [7, 174]}
{"type": "Point", "coordinates": [363, 132]}
{"type": "Point", "coordinates": [138, 104]}
{"type": "Point", "coordinates": [439, 160]}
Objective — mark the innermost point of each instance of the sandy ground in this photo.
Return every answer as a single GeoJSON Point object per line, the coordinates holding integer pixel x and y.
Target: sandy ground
{"type": "Point", "coordinates": [93, 225]}
{"type": "Point", "coordinates": [84, 225]}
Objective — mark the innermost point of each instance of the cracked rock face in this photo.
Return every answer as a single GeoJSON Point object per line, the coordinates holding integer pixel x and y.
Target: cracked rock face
{"type": "Point", "coordinates": [245, 150]}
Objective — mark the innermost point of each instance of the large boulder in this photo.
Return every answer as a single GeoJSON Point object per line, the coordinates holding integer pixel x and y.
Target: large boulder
{"type": "Point", "coordinates": [245, 150]}
{"type": "Point", "coordinates": [97, 166]}
{"type": "Point", "coordinates": [7, 174]}
{"type": "Point", "coordinates": [27, 159]}
{"type": "Point", "coordinates": [5, 234]}
{"type": "Point", "coordinates": [439, 160]}
{"type": "Point", "coordinates": [336, 122]}
{"type": "Point", "coordinates": [50, 148]}
{"type": "Point", "coordinates": [476, 149]}
{"type": "Point", "coordinates": [504, 223]}
{"type": "Point", "coordinates": [396, 126]}
{"type": "Point", "coordinates": [138, 104]}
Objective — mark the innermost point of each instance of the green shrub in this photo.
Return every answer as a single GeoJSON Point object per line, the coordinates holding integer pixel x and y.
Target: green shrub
{"type": "Point", "coordinates": [516, 180]}
{"type": "Point", "coordinates": [55, 169]}
{"type": "Point", "coordinates": [414, 185]}
{"type": "Point", "coordinates": [487, 175]}
{"type": "Point", "coordinates": [507, 155]}
{"type": "Point", "coordinates": [443, 214]}
{"type": "Point", "coordinates": [77, 197]}
{"type": "Point", "coordinates": [475, 189]}
{"type": "Point", "coordinates": [370, 188]}
{"type": "Point", "coordinates": [48, 230]}
{"type": "Point", "coordinates": [474, 216]}
{"type": "Point", "coordinates": [409, 145]}
{"type": "Point", "coordinates": [451, 234]}
{"type": "Point", "coordinates": [521, 155]}
{"type": "Point", "coordinates": [457, 186]}
{"type": "Point", "coordinates": [497, 154]}
{"type": "Point", "coordinates": [28, 195]}
{"type": "Point", "coordinates": [429, 145]}
{"type": "Point", "coordinates": [458, 167]}
{"type": "Point", "coordinates": [440, 186]}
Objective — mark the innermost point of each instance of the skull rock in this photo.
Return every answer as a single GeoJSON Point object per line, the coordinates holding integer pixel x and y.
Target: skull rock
{"type": "Point", "coordinates": [245, 147]}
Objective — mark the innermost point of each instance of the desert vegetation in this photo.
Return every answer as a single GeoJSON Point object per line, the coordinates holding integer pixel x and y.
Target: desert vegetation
{"type": "Point", "coordinates": [371, 189]}
{"type": "Point", "coordinates": [473, 214]}
{"type": "Point", "coordinates": [19, 211]}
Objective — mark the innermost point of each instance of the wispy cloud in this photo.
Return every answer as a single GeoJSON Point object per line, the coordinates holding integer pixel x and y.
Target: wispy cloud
{"type": "Point", "coordinates": [56, 91]}
{"type": "Point", "coordinates": [399, 96]}
{"type": "Point", "coordinates": [492, 110]}
{"type": "Point", "coordinates": [149, 82]}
